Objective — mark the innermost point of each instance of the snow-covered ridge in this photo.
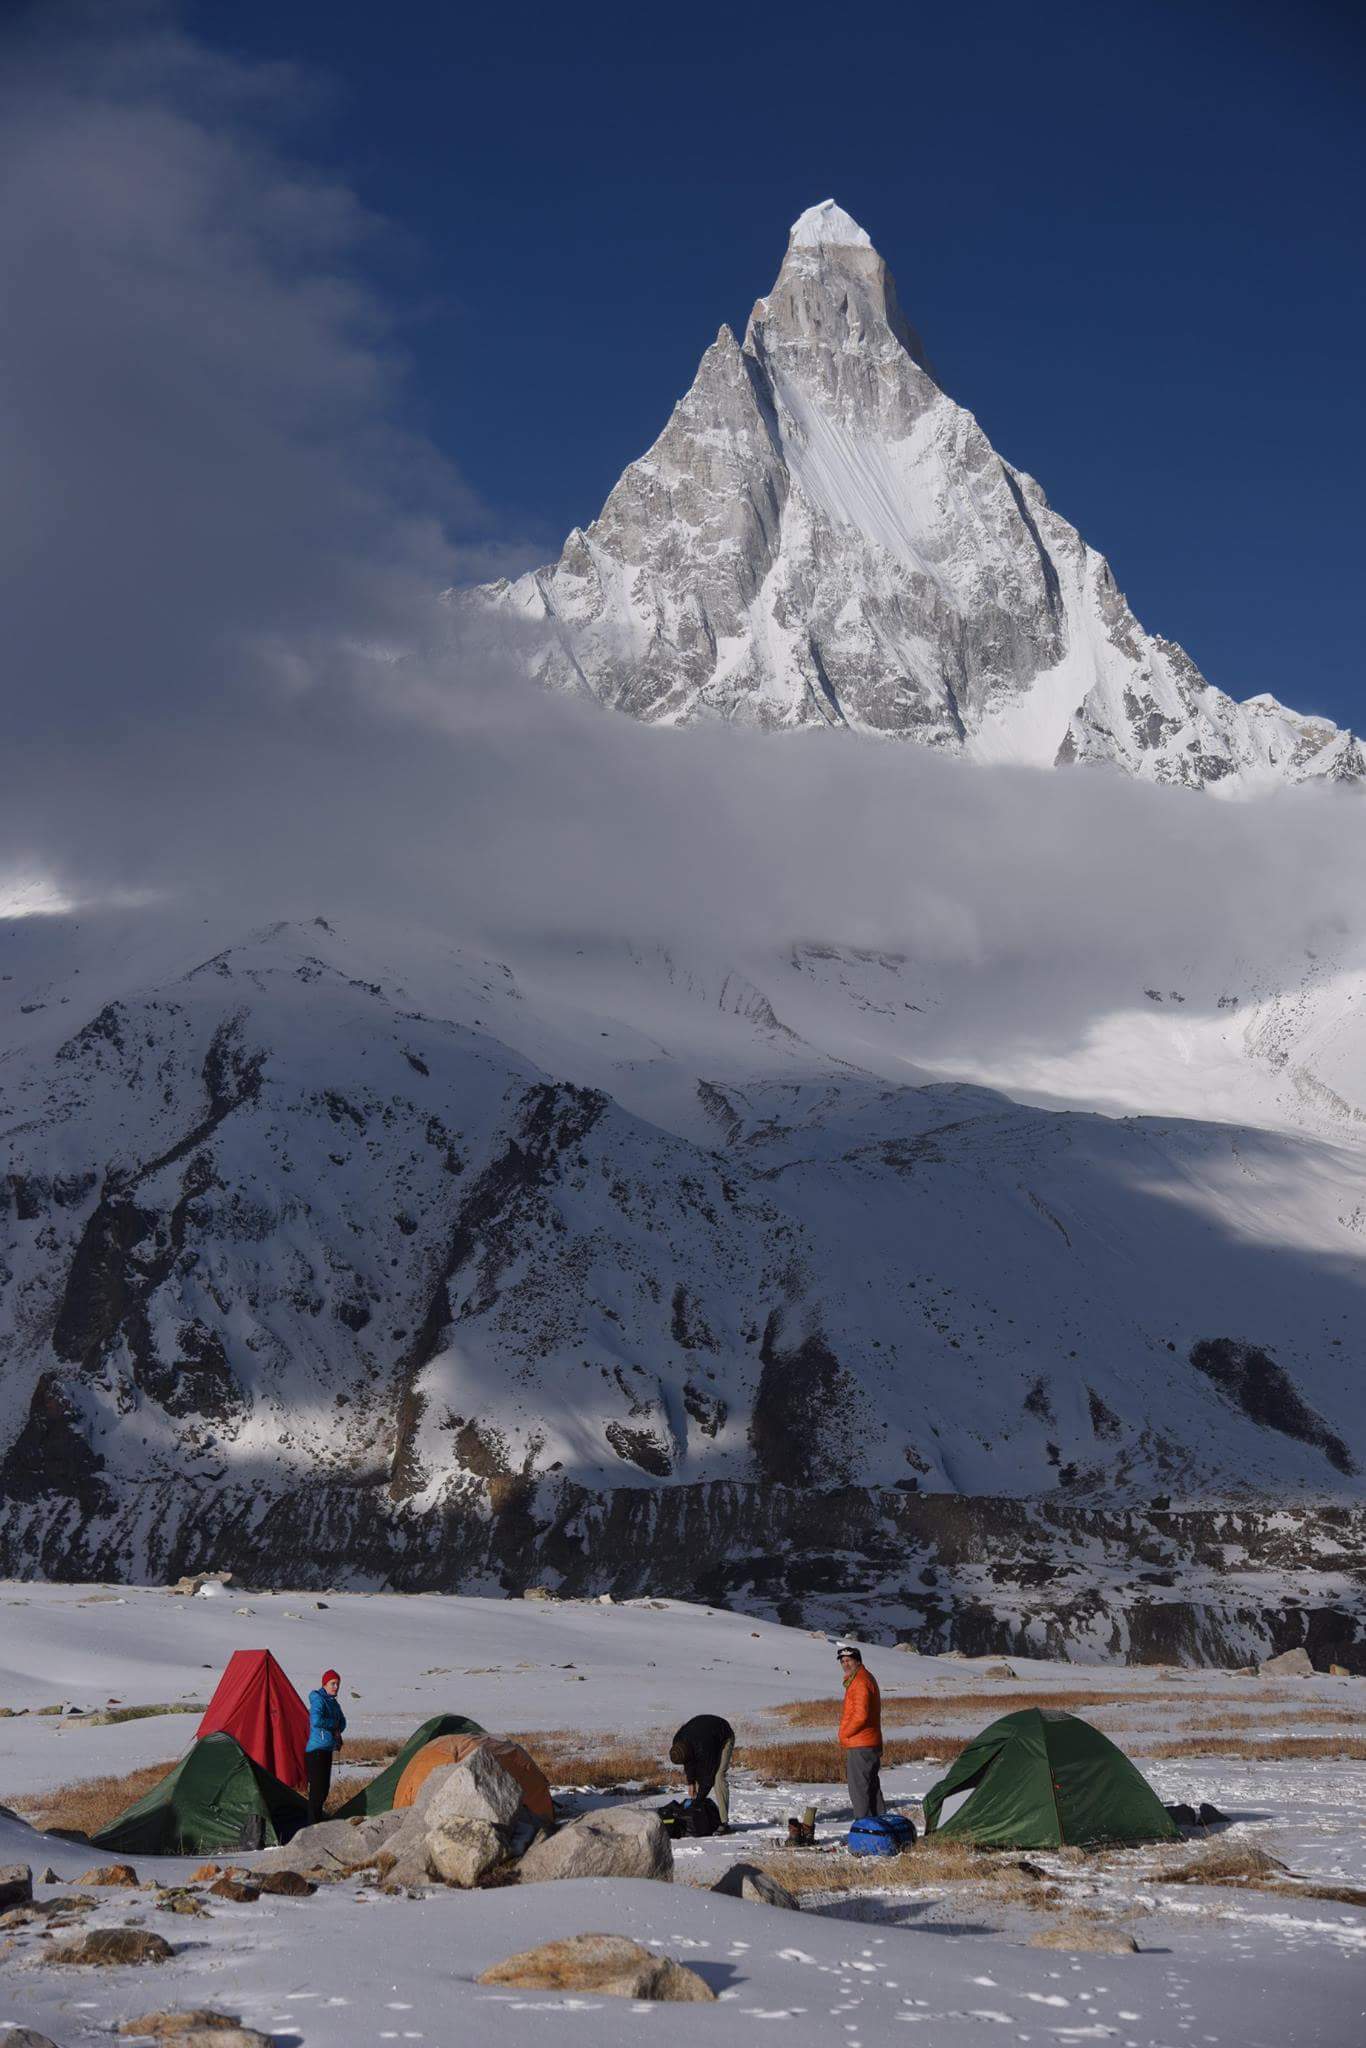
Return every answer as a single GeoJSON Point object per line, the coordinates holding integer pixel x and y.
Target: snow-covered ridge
{"type": "Point", "coordinates": [821, 536]}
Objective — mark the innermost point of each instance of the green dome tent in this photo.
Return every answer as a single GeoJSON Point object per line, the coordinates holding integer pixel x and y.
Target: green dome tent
{"type": "Point", "coordinates": [378, 1795]}
{"type": "Point", "coordinates": [1039, 1779]}
{"type": "Point", "coordinates": [215, 1798]}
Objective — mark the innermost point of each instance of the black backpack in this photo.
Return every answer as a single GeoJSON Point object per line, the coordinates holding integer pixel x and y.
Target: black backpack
{"type": "Point", "coordinates": [689, 1817]}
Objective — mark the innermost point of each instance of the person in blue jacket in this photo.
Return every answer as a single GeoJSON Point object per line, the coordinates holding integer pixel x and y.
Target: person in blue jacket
{"type": "Point", "coordinates": [326, 1722]}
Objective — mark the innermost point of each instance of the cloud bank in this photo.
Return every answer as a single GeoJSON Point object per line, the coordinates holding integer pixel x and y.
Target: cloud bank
{"type": "Point", "coordinates": [229, 676]}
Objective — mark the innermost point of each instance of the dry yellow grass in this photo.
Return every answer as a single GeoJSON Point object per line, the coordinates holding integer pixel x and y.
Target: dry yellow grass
{"type": "Point", "coordinates": [822, 1763]}
{"type": "Point", "coordinates": [1001, 1876]}
{"type": "Point", "coordinates": [1262, 1749]}
{"type": "Point", "coordinates": [569, 1757]}
{"type": "Point", "coordinates": [945, 1706]}
{"type": "Point", "coordinates": [91, 1803]}
{"type": "Point", "coordinates": [371, 1749]}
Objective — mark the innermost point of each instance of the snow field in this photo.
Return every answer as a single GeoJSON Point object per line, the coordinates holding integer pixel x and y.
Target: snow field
{"type": "Point", "coordinates": [351, 1967]}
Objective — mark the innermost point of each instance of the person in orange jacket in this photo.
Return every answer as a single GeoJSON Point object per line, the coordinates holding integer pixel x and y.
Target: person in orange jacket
{"type": "Point", "coordinates": [861, 1733]}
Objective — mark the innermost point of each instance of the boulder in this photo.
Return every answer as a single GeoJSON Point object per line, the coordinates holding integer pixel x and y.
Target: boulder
{"type": "Point", "coordinates": [477, 1789]}
{"type": "Point", "coordinates": [463, 1851]}
{"type": "Point", "coordinates": [333, 1848]}
{"type": "Point", "coordinates": [621, 1841]}
{"type": "Point", "coordinates": [27, 2037]}
{"type": "Point", "coordinates": [111, 1874]}
{"type": "Point", "coordinates": [609, 1965]}
{"type": "Point", "coordinates": [16, 1884]}
{"type": "Point", "coordinates": [1290, 1664]}
{"type": "Point", "coordinates": [199, 2028]}
{"type": "Point", "coordinates": [1085, 1937]}
{"type": "Point", "coordinates": [748, 1881]}
{"type": "Point", "coordinates": [111, 1946]}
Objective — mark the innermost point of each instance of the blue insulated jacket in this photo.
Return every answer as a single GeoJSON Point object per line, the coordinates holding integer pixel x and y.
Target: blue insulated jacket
{"type": "Point", "coordinates": [325, 1720]}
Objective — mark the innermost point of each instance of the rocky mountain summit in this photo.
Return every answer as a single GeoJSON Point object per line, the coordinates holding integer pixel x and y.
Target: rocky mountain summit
{"type": "Point", "coordinates": [821, 536]}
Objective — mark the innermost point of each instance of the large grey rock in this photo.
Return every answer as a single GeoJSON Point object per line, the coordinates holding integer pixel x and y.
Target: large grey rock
{"type": "Point", "coordinates": [460, 1852]}
{"type": "Point", "coordinates": [748, 1881]}
{"type": "Point", "coordinates": [610, 1965]}
{"type": "Point", "coordinates": [1290, 1664]}
{"type": "Point", "coordinates": [334, 1847]}
{"type": "Point", "coordinates": [621, 1841]}
{"type": "Point", "coordinates": [16, 1885]}
{"type": "Point", "coordinates": [27, 2037]}
{"type": "Point", "coordinates": [479, 1789]}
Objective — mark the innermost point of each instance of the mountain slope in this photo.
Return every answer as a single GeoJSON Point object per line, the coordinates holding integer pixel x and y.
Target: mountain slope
{"type": "Point", "coordinates": [822, 537]}
{"type": "Point", "coordinates": [272, 1226]}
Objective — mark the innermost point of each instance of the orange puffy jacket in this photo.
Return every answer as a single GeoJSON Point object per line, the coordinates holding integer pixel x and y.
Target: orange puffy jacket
{"type": "Point", "coordinates": [861, 1720]}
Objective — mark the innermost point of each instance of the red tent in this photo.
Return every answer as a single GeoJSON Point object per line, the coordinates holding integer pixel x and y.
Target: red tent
{"type": "Point", "coordinates": [256, 1704]}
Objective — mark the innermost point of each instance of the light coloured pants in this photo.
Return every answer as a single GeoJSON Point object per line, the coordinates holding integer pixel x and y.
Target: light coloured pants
{"type": "Point", "coordinates": [720, 1791]}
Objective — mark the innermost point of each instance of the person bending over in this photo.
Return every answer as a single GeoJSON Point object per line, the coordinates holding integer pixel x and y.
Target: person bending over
{"type": "Point", "coordinates": [326, 1722]}
{"type": "Point", "coordinates": [861, 1733]}
{"type": "Point", "coordinates": [703, 1748]}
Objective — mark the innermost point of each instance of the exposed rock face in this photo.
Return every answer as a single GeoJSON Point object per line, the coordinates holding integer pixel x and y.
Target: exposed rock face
{"type": "Point", "coordinates": [822, 537]}
{"type": "Point", "coordinates": [460, 1852]}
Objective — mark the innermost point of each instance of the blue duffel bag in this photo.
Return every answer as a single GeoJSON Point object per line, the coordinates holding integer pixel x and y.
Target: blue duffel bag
{"type": "Point", "coordinates": [882, 1834]}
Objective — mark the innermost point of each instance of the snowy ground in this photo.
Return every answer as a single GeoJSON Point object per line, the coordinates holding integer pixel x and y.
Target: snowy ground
{"type": "Point", "coordinates": [350, 1966]}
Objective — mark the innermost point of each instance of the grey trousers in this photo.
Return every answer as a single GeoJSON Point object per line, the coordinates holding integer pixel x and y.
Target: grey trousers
{"type": "Point", "coordinates": [861, 1768]}
{"type": "Point", "coordinates": [720, 1791]}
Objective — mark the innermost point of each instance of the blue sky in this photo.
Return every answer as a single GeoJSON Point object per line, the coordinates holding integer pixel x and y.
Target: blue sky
{"type": "Point", "coordinates": [1131, 236]}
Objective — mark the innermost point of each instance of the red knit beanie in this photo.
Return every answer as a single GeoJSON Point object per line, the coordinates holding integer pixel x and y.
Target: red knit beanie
{"type": "Point", "coordinates": [328, 1676]}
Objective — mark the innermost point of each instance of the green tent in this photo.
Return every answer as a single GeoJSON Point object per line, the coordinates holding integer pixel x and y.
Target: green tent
{"type": "Point", "coordinates": [215, 1798]}
{"type": "Point", "coordinates": [378, 1795]}
{"type": "Point", "coordinates": [1039, 1779]}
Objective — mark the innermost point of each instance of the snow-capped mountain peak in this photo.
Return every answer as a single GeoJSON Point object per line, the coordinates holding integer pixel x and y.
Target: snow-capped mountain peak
{"type": "Point", "coordinates": [822, 536]}
{"type": "Point", "coordinates": [828, 226]}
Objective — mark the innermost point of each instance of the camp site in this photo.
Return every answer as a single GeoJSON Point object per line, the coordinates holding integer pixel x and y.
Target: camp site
{"type": "Point", "coordinates": [1055, 1846]}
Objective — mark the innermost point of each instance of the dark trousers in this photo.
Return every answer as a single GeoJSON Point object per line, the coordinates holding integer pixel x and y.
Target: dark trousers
{"type": "Point", "coordinates": [861, 1769]}
{"type": "Point", "coordinates": [319, 1763]}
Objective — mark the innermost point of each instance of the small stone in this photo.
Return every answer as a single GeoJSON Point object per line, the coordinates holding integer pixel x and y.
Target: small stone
{"type": "Point", "coordinates": [609, 1965]}
{"type": "Point", "coordinates": [27, 2037]}
{"type": "Point", "coordinates": [748, 1881]}
{"type": "Point", "coordinates": [110, 1874]}
{"type": "Point", "coordinates": [49, 1876]}
{"type": "Point", "coordinates": [1340, 1671]}
{"type": "Point", "coordinates": [16, 1884]}
{"type": "Point", "coordinates": [237, 1889]}
{"type": "Point", "coordinates": [181, 1902]}
{"type": "Point", "coordinates": [287, 1884]}
{"type": "Point", "coordinates": [206, 1873]}
{"type": "Point", "coordinates": [110, 1946]}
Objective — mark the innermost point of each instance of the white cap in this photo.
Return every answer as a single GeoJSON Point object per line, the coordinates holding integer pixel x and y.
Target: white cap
{"type": "Point", "coordinates": [852, 1648]}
